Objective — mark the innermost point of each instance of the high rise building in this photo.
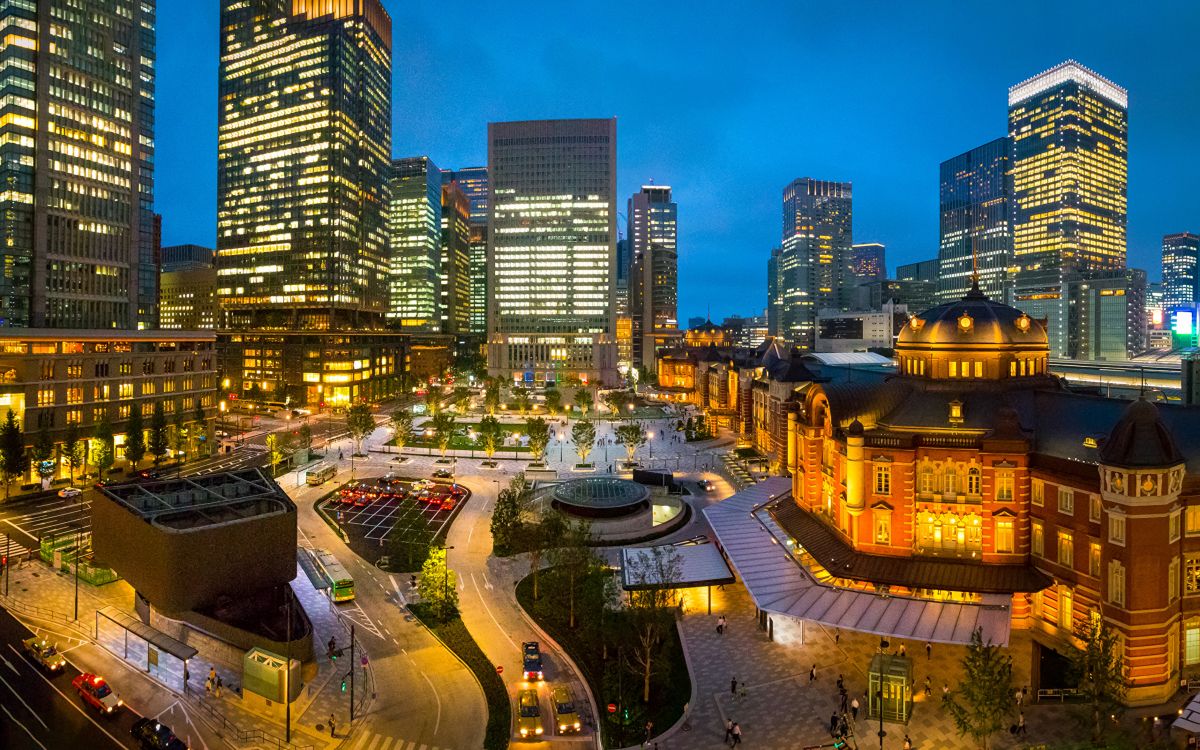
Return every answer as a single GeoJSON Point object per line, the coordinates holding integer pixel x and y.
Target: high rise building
{"type": "Point", "coordinates": [78, 165]}
{"type": "Point", "coordinates": [774, 294]}
{"type": "Point", "coordinates": [1180, 253]}
{"type": "Point", "coordinates": [552, 250]}
{"type": "Point", "coordinates": [868, 261]}
{"type": "Point", "coordinates": [922, 270]}
{"type": "Point", "coordinates": [1106, 315]}
{"type": "Point", "coordinates": [474, 183]}
{"type": "Point", "coordinates": [975, 237]}
{"type": "Point", "coordinates": [414, 224]}
{"type": "Point", "coordinates": [183, 257]}
{"type": "Point", "coordinates": [814, 268]}
{"type": "Point", "coordinates": [654, 272]}
{"type": "Point", "coordinates": [1069, 133]}
{"type": "Point", "coordinates": [454, 261]}
{"type": "Point", "coordinates": [303, 158]}
{"type": "Point", "coordinates": [304, 140]}
{"type": "Point", "coordinates": [624, 322]}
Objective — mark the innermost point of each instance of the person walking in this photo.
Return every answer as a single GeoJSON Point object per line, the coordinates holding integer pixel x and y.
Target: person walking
{"type": "Point", "coordinates": [902, 652]}
{"type": "Point", "coordinates": [907, 743]}
{"type": "Point", "coordinates": [837, 636]}
{"type": "Point", "coordinates": [218, 686]}
{"type": "Point", "coordinates": [1021, 724]}
{"type": "Point", "coordinates": [812, 674]}
{"type": "Point", "coordinates": [208, 686]}
{"type": "Point", "coordinates": [332, 726]}
{"type": "Point", "coordinates": [737, 734]}
{"type": "Point", "coordinates": [728, 730]}
{"type": "Point", "coordinates": [1017, 697]}
{"type": "Point", "coordinates": [733, 686]}
{"type": "Point", "coordinates": [841, 683]}
{"type": "Point", "coordinates": [945, 692]}
{"type": "Point", "coordinates": [833, 723]}
{"type": "Point", "coordinates": [928, 650]}
{"type": "Point", "coordinates": [854, 709]}
{"type": "Point", "coordinates": [742, 690]}
{"type": "Point", "coordinates": [928, 689]}
{"type": "Point", "coordinates": [721, 625]}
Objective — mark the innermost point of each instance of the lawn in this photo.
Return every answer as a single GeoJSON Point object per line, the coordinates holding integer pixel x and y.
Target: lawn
{"type": "Point", "coordinates": [670, 684]}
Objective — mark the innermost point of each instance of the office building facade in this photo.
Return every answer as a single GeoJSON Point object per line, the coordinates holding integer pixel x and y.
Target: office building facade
{"type": "Point", "coordinates": [454, 261]}
{"type": "Point", "coordinates": [182, 257]}
{"type": "Point", "coordinates": [975, 241]}
{"type": "Point", "coordinates": [304, 144]}
{"type": "Point", "coordinates": [654, 271]}
{"type": "Point", "coordinates": [1069, 133]}
{"type": "Point", "coordinates": [552, 250]}
{"type": "Point", "coordinates": [922, 270]}
{"type": "Point", "coordinates": [1106, 315]}
{"type": "Point", "coordinates": [774, 293]}
{"type": "Point", "coordinates": [414, 226]}
{"type": "Point", "coordinates": [814, 267]}
{"type": "Point", "coordinates": [624, 322]}
{"type": "Point", "coordinates": [868, 261]}
{"type": "Point", "coordinates": [188, 299]}
{"type": "Point", "coordinates": [473, 181]}
{"type": "Point", "coordinates": [78, 135]}
{"type": "Point", "coordinates": [1180, 279]}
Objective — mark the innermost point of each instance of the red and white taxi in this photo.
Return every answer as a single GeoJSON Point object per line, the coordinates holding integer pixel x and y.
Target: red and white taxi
{"type": "Point", "coordinates": [97, 693]}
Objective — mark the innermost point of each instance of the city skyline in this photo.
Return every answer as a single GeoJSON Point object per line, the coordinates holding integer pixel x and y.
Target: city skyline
{"type": "Point", "coordinates": [706, 149]}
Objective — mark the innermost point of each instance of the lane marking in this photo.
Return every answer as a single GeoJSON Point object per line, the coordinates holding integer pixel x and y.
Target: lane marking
{"type": "Point", "coordinates": [74, 704]}
{"type": "Point", "coordinates": [9, 664]}
{"type": "Point", "coordinates": [23, 703]}
{"type": "Point", "coordinates": [13, 719]}
{"type": "Point", "coordinates": [438, 721]}
{"type": "Point", "coordinates": [488, 609]}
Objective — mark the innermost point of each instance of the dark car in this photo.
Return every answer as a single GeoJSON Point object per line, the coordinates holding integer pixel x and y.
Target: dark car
{"type": "Point", "coordinates": [148, 474]}
{"type": "Point", "coordinates": [152, 735]}
{"type": "Point", "coordinates": [443, 474]}
{"type": "Point", "coordinates": [532, 669]}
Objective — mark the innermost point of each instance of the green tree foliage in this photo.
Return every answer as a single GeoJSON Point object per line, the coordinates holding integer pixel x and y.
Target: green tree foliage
{"type": "Point", "coordinates": [74, 449]}
{"type": "Point", "coordinates": [616, 402]}
{"type": "Point", "coordinates": [304, 437]}
{"type": "Point", "coordinates": [43, 451]}
{"type": "Point", "coordinates": [538, 430]}
{"type": "Point", "coordinates": [408, 546]}
{"type": "Point", "coordinates": [983, 703]}
{"type": "Point", "coordinates": [506, 523]}
{"type": "Point", "coordinates": [650, 612]}
{"type": "Point", "coordinates": [103, 452]}
{"type": "Point", "coordinates": [135, 437]}
{"type": "Point", "coordinates": [278, 447]}
{"type": "Point", "coordinates": [546, 532]}
{"type": "Point", "coordinates": [433, 400]}
{"type": "Point", "coordinates": [1099, 675]}
{"type": "Point", "coordinates": [402, 424]}
{"type": "Point", "coordinates": [437, 585]}
{"type": "Point", "coordinates": [583, 435]}
{"type": "Point", "coordinates": [461, 397]}
{"type": "Point", "coordinates": [491, 395]}
{"type": "Point", "coordinates": [583, 400]}
{"type": "Point", "coordinates": [521, 399]}
{"type": "Point", "coordinates": [180, 432]}
{"type": "Point", "coordinates": [490, 435]}
{"type": "Point", "coordinates": [632, 436]}
{"type": "Point", "coordinates": [361, 423]}
{"type": "Point", "coordinates": [12, 450]}
{"type": "Point", "coordinates": [572, 558]}
{"type": "Point", "coordinates": [158, 443]}
{"type": "Point", "coordinates": [553, 400]}
{"type": "Point", "coordinates": [443, 427]}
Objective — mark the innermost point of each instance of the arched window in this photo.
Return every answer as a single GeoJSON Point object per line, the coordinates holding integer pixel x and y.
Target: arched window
{"type": "Point", "coordinates": [950, 481]}
{"type": "Point", "coordinates": [974, 481]}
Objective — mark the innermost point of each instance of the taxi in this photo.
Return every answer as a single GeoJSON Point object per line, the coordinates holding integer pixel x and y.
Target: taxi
{"type": "Point", "coordinates": [565, 715]}
{"type": "Point", "coordinates": [44, 653]}
{"type": "Point", "coordinates": [97, 693]}
{"type": "Point", "coordinates": [530, 721]}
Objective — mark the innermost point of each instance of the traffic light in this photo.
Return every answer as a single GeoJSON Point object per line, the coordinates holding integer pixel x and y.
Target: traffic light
{"type": "Point", "coordinates": [343, 684]}
{"type": "Point", "coordinates": [838, 744]}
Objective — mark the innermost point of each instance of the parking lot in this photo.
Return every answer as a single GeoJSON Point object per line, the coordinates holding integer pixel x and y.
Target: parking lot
{"type": "Point", "coordinates": [374, 511]}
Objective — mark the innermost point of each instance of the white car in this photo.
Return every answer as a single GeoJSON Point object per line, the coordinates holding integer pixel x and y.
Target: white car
{"type": "Point", "coordinates": [706, 485]}
{"type": "Point", "coordinates": [69, 492]}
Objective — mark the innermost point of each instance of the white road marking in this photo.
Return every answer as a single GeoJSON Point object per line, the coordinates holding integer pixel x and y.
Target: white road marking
{"type": "Point", "coordinates": [486, 583]}
{"type": "Point", "coordinates": [438, 721]}
{"type": "Point", "coordinates": [13, 719]}
{"type": "Point", "coordinates": [9, 664]}
{"type": "Point", "coordinates": [488, 609]}
{"type": "Point", "coordinates": [23, 703]}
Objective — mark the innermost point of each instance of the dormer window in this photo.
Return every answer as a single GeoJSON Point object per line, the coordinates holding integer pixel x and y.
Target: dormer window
{"type": "Point", "coordinates": [956, 412]}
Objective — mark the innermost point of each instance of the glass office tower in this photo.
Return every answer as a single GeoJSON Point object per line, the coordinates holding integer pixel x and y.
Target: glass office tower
{"type": "Point", "coordinates": [654, 271]}
{"type": "Point", "coordinates": [77, 164]}
{"type": "Point", "coordinates": [1180, 253]}
{"type": "Point", "coordinates": [304, 142]}
{"type": "Point", "coordinates": [551, 250]}
{"type": "Point", "coordinates": [975, 236]}
{"type": "Point", "coordinates": [814, 269]}
{"type": "Point", "coordinates": [1069, 135]}
{"type": "Point", "coordinates": [474, 183]}
{"type": "Point", "coordinates": [414, 226]}
{"type": "Point", "coordinates": [868, 262]}
{"type": "Point", "coordinates": [454, 261]}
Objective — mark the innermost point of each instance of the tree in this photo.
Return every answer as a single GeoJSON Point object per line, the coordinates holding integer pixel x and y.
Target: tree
{"type": "Point", "coordinates": [443, 426]}
{"type": "Point", "coordinates": [437, 585]}
{"type": "Point", "coordinates": [506, 522]}
{"type": "Point", "coordinates": [547, 532]}
{"type": "Point", "coordinates": [158, 444]}
{"type": "Point", "coordinates": [539, 436]}
{"type": "Point", "coordinates": [276, 449]}
{"type": "Point", "coordinates": [402, 424]}
{"type": "Point", "coordinates": [583, 435]}
{"type": "Point", "coordinates": [461, 397]}
{"type": "Point", "coordinates": [409, 542]}
{"type": "Point", "coordinates": [490, 434]}
{"type": "Point", "coordinates": [103, 453]}
{"type": "Point", "coordinates": [12, 450]}
{"type": "Point", "coordinates": [1099, 674]}
{"type": "Point", "coordinates": [304, 437]}
{"type": "Point", "coordinates": [491, 395]}
{"type": "Point", "coordinates": [433, 400]}
{"type": "Point", "coordinates": [573, 558]}
{"type": "Point", "coordinates": [615, 401]}
{"type": "Point", "coordinates": [553, 400]}
{"type": "Point", "coordinates": [583, 399]}
{"type": "Point", "coordinates": [983, 703]}
{"type": "Point", "coordinates": [521, 400]}
{"type": "Point", "coordinates": [43, 451]}
{"type": "Point", "coordinates": [181, 437]}
{"type": "Point", "coordinates": [135, 438]}
{"type": "Point", "coordinates": [653, 574]}
{"type": "Point", "coordinates": [361, 423]}
{"type": "Point", "coordinates": [632, 437]}
{"type": "Point", "coordinates": [75, 450]}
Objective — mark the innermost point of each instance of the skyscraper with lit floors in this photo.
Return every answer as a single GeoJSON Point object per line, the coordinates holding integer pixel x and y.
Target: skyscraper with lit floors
{"type": "Point", "coordinates": [654, 274]}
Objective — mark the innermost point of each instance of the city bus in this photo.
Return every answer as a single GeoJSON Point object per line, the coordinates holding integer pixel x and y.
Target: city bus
{"type": "Point", "coordinates": [320, 474]}
{"type": "Point", "coordinates": [341, 585]}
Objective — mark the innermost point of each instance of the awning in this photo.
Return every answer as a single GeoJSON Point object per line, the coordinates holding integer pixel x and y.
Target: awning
{"type": "Point", "coordinates": [699, 565]}
{"type": "Point", "coordinates": [153, 636]}
{"type": "Point", "coordinates": [1189, 720]}
{"type": "Point", "coordinates": [759, 551]}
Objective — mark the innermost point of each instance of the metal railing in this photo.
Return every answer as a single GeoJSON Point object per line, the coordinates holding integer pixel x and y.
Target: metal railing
{"type": "Point", "coordinates": [246, 735]}
{"type": "Point", "coordinates": [42, 613]}
{"type": "Point", "coordinates": [1057, 694]}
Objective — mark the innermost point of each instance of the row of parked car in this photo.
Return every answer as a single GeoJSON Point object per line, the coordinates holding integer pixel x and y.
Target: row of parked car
{"type": "Point", "coordinates": [437, 496]}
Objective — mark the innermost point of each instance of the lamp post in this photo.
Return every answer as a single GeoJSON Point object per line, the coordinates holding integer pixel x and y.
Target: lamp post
{"type": "Point", "coordinates": [650, 442]}
{"type": "Point", "coordinates": [883, 645]}
{"type": "Point", "coordinates": [559, 436]}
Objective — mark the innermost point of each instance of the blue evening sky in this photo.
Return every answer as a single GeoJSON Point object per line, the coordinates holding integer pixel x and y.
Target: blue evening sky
{"type": "Point", "coordinates": [727, 102]}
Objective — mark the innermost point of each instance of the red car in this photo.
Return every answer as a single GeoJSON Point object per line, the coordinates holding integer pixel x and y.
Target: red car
{"type": "Point", "coordinates": [97, 693]}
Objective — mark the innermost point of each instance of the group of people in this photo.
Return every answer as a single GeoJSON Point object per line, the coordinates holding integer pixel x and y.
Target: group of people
{"type": "Point", "coordinates": [213, 683]}
{"type": "Point", "coordinates": [733, 733]}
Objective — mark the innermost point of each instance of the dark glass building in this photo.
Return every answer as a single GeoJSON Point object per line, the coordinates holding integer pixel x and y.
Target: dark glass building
{"type": "Point", "coordinates": [304, 142]}
{"type": "Point", "coordinates": [814, 268]}
{"type": "Point", "coordinates": [654, 271]}
{"type": "Point", "coordinates": [76, 159]}
{"type": "Point", "coordinates": [184, 257]}
{"type": "Point", "coordinates": [1180, 253]}
{"type": "Point", "coordinates": [975, 236]}
{"type": "Point", "coordinates": [474, 183]}
{"type": "Point", "coordinates": [868, 261]}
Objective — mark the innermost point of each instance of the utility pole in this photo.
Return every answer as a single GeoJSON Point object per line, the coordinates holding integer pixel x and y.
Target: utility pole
{"type": "Point", "coordinates": [351, 673]}
{"type": "Point", "coordinates": [287, 672]}
{"type": "Point", "coordinates": [78, 551]}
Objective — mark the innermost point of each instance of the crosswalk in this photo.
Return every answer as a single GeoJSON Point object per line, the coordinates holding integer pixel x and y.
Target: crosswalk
{"type": "Point", "coordinates": [368, 740]}
{"type": "Point", "coordinates": [48, 519]}
{"type": "Point", "coordinates": [11, 549]}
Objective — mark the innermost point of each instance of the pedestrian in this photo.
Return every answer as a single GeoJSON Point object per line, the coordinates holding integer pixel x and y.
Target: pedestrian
{"type": "Point", "coordinates": [854, 709]}
{"type": "Point", "coordinates": [907, 743]}
{"type": "Point", "coordinates": [902, 649]}
{"type": "Point", "coordinates": [737, 734]}
{"type": "Point", "coordinates": [837, 637]}
{"type": "Point", "coordinates": [742, 690]}
{"type": "Point", "coordinates": [1021, 724]}
{"type": "Point", "coordinates": [833, 723]}
{"type": "Point", "coordinates": [212, 674]}
{"type": "Point", "coordinates": [649, 730]}
{"type": "Point", "coordinates": [728, 730]}
{"type": "Point", "coordinates": [1019, 695]}
{"type": "Point", "coordinates": [841, 684]}
{"type": "Point", "coordinates": [843, 705]}
{"type": "Point", "coordinates": [721, 625]}
{"type": "Point", "coordinates": [332, 726]}
{"type": "Point", "coordinates": [733, 686]}
{"type": "Point", "coordinates": [928, 650]}
{"type": "Point", "coordinates": [218, 686]}
{"type": "Point", "coordinates": [208, 686]}
{"type": "Point", "coordinates": [945, 692]}
{"type": "Point", "coordinates": [340, 458]}
{"type": "Point", "coordinates": [812, 674]}
{"type": "Point", "coordinates": [843, 729]}
{"type": "Point", "coordinates": [928, 690]}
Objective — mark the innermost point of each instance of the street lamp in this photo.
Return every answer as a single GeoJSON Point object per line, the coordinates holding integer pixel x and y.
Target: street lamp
{"type": "Point", "coordinates": [883, 645]}
{"type": "Point", "coordinates": [559, 437]}
{"type": "Point", "coordinates": [650, 442]}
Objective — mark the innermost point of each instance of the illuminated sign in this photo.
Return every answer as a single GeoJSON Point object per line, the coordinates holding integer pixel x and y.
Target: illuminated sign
{"type": "Point", "coordinates": [1184, 323]}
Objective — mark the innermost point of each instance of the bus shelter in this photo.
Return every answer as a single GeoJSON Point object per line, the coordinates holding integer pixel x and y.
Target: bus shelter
{"type": "Point", "coordinates": [890, 688]}
{"type": "Point", "coordinates": [147, 648]}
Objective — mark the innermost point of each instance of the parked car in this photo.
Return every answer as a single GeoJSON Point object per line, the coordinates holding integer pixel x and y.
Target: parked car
{"type": "Point", "coordinates": [530, 719]}
{"type": "Point", "coordinates": [443, 474]}
{"type": "Point", "coordinates": [97, 693]}
{"type": "Point", "coordinates": [153, 735]}
{"type": "Point", "coordinates": [532, 669]}
{"type": "Point", "coordinates": [565, 715]}
{"type": "Point", "coordinates": [44, 653]}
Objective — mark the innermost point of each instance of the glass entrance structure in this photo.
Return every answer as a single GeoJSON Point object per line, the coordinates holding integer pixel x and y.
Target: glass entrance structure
{"type": "Point", "coordinates": [890, 688]}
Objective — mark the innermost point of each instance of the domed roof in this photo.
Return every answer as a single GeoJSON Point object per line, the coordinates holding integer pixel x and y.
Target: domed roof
{"type": "Point", "coordinates": [1140, 439]}
{"type": "Point", "coordinates": [974, 321]}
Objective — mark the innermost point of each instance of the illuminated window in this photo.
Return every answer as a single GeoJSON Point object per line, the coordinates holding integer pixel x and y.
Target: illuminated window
{"type": "Point", "coordinates": [1191, 641]}
{"type": "Point", "coordinates": [1038, 492]}
{"type": "Point", "coordinates": [1173, 526]}
{"type": "Point", "coordinates": [74, 416]}
{"type": "Point", "coordinates": [1116, 583]}
{"type": "Point", "coordinates": [926, 479]}
{"type": "Point", "coordinates": [883, 480]}
{"type": "Point", "coordinates": [883, 527]}
{"type": "Point", "coordinates": [978, 369]}
{"type": "Point", "coordinates": [1094, 559]}
{"type": "Point", "coordinates": [974, 481]}
{"type": "Point", "coordinates": [45, 397]}
{"type": "Point", "coordinates": [1191, 575]}
{"type": "Point", "coordinates": [1066, 549]}
{"type": "Point", "coordinates": [1004, 535]}
{"type": "Point", "coordinates": [1094, 508]}
{"type": "Point", "coordinates": [1065, 607]}
{"type": "Point", "coordinates": [1038, 543]}
{"type": "Point", "coordinates": [1192, 520]}
{"type": "Point", "coordinates": [1004, 485]}
{"type": "Point", "coordinates": [1066, 500]}
{"type": "Point", "coordinates": [953, 368]}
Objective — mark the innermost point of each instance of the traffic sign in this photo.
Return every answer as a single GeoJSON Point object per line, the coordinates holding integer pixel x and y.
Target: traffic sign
{"type": "Point", "coordinates": [499, 669]}
{"type": "Point", "coordinates": [612, 708]}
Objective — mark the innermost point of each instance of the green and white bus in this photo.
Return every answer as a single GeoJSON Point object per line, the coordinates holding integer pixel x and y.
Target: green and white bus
{"type": "Point", "coordinates": [341, 585]}
{"type": "Point", "coordinates": [320, 474]}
